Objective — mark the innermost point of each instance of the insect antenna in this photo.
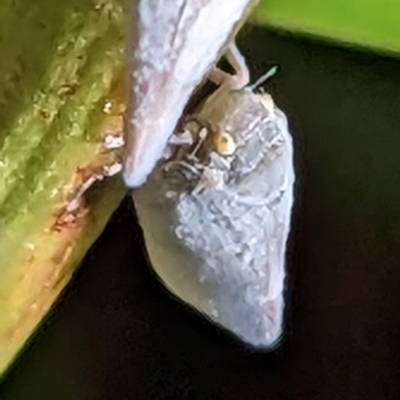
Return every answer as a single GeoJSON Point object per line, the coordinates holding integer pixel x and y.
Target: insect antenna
{"type": "Point", "coordinates": [263, 78]}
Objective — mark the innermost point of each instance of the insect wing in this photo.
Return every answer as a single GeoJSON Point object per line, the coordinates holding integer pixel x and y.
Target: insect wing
{"type": "Point", "coordinates": [222, 249]}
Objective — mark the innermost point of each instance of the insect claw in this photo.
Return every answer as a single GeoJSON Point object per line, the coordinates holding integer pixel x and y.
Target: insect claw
{"type": "Point", "coordinates": [202, 136]}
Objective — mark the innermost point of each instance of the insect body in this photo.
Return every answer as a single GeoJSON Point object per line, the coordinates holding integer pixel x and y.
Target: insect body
{"type": "Point", "coordinates": [216, 216]}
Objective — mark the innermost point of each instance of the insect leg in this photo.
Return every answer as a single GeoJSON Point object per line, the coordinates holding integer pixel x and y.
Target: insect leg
{"type": "Point", "coordinates": [240, 78]}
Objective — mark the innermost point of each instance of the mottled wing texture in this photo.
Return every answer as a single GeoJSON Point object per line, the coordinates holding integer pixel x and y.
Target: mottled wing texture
{"type": "Point", "coordinates": [222, 250]}
{"type": "Point", "coordinates": [173, 44]}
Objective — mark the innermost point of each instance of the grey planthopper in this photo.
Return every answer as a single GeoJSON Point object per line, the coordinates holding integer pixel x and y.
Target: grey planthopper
{"type": "Point", "coordinates": [214, 198]}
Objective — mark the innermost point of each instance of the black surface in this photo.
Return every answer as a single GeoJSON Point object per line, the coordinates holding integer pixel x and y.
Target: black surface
{"type": "Point", "coordinates": [116, 334]}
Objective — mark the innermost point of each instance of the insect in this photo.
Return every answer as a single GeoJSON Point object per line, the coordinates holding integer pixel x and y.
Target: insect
{"type": "Point", "coordinates": [216, 214]}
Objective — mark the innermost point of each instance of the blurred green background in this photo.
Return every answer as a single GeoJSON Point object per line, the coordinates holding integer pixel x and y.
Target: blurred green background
{"type": "Point", "coordinates": [365, 23]}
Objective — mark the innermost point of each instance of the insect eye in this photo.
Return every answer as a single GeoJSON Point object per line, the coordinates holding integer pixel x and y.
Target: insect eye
{"type": "Point", "coordinates": [224, 144]}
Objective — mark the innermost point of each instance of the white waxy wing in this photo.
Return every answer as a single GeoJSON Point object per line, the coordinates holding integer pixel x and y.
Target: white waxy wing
{"type": "Point", "coordinates": [222, 249]}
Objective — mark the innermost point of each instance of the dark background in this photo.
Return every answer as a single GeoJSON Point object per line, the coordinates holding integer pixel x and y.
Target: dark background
{"type": "Point", "coordinates": [117, 334]}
